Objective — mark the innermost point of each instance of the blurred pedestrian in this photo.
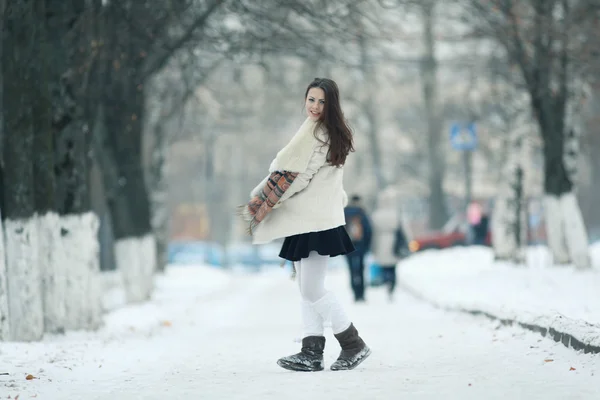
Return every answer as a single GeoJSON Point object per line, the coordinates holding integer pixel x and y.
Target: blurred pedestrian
{"type": "Point", "coordinates": [480, 231]}
{"type": "Point", "coordinates": [474, 214]}
{"type": "Point", "coordinates": [302, 200]}
{"type": "Point", "coordinates": [390, 242]}
{"type": "Point", "coordinates": [358, 226]}
{"type": "Point", "coordinates": [478, 219]}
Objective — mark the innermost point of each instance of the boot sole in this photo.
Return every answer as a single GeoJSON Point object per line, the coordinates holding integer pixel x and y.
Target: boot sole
{"type": "Point", "coordinates": [298, 367]}
{"type": "Point", "coordinates": [356, 364]}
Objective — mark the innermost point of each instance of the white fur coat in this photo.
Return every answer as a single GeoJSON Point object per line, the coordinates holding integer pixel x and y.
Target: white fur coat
{"type": "Point", "coordinates": [316, 199]}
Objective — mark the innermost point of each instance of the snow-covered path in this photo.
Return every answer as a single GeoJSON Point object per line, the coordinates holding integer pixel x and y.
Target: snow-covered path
{"type": "Point", "coordinates": [224, 344]}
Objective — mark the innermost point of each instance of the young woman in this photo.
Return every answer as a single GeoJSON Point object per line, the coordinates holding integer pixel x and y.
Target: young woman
{"type": "Point", "coordinates": [302, 200]}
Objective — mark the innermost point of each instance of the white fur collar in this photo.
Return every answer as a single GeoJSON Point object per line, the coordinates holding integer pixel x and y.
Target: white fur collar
{"type": "Point", "coordinates": [295, 156]}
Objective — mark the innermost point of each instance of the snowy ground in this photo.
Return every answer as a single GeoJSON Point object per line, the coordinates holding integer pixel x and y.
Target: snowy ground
{"type": "Point", "coordinates": [208, 335]}
{"type": "Point", "coordinates": [563, 298]}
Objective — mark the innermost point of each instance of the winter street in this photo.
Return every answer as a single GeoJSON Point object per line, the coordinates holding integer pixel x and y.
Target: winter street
{"type": "Point", "coordinates": [427, 169]}
{"type": "Point", "coordinates": [211, 335]}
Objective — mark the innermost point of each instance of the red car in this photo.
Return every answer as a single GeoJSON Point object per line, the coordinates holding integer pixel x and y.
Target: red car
{"type": "Point", "coordinates": [454, 233]}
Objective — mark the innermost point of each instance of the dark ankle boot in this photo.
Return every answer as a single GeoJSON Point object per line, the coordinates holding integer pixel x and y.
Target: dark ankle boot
{"type": "Point", "coordinates": [354, 350]}
{"type": "Point", "coordinates": [310, 357]}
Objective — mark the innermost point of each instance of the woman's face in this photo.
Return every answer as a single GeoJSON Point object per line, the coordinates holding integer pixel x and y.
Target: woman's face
{"type": "Point", "coordinates": [315, 103]}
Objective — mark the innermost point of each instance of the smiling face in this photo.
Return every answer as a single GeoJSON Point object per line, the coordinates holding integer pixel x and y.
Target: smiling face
{"type": "Point", "coordinates": [315, 103]}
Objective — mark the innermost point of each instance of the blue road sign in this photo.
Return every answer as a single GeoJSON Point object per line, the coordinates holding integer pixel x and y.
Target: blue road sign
{"type": "Point", "coordinates": [463, 136]}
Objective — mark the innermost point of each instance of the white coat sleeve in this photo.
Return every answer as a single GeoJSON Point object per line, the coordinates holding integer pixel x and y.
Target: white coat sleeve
{"type": "Point", "coordinates": [317, 160]}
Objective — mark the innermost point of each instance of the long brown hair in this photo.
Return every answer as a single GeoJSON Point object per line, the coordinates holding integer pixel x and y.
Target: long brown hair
{"type": "Point", "coordinates": [333, 121]}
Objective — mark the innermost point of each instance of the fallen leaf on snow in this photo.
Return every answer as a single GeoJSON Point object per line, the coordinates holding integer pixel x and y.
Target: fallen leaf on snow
{"type": "Point", "coordinates": [571, 369]}
{"type": "Point", "coordinates": [30, 377]}
{"type": "Point", "coordinates": [166, 323]}
{"type": "Point", "coordinates": [548, 360]}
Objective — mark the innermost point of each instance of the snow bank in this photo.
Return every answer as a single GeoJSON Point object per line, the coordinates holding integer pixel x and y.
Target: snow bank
{"type": "Point", "coordinates": [177, 286]}
{"type": "Point", "coordinates": [126, 335]}
{"type": "Point", "coordinates": [555, 299]}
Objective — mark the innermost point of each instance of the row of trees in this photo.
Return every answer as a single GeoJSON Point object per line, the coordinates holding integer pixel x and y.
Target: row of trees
{"type": "Point", "coordinates": [546, 53]}
{"type": "Point", "coordinates": [92, 91]}
{"type": "Point", "coordinates": [496, 95]}
{"type": "Point", "coordinates": [548, 46]}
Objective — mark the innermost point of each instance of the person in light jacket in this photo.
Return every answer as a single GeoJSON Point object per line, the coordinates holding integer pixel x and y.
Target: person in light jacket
{"type": "Point", "coordinates": [390, 243]}
{"type": "Point", "coordinates": [302, 200]}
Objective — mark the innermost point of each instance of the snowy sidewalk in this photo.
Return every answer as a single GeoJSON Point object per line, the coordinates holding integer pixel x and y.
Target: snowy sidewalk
{"type": "Point", "coordinates": [212, 336]}
{"type": "Point", "coordinates": [557, 301]}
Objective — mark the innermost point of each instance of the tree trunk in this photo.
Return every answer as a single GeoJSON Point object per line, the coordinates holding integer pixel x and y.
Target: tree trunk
{"type": "Point", "coordinates": [118, 146]}
{"type": "Point", "coordinates": [79, 225]}
{"type": "Point", "coordinates": [51, 256]}
{"type": "Point", "coordinates": [591, 147]}
{"type": "Point", "coordinates": [509, 225]}
{"type": "Point", "coordinates": [371, 117]}
{"type": "Point", "coordinates": [26, 319]}
{"type": "Point", "coordinates": [592, 216]}
{"type": "Point", "coordinates": [68, 229]}
{"type": "Point", "coordinates": [4, 318]}
{"type": "Point", "coordinates": [159, 195]}
{"type": "Point", "coordinates": [567, 236]}
{"type": "Point", "coordinates": [128, 200]}
{"type": "Point", "coordinates": [554, 95]}
{"type": "Point", "coordinates": [438, 214]}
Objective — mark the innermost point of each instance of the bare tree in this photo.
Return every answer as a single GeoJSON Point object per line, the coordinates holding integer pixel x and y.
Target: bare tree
{"type": "Point", "coordinates": [428, 68]}
{"type": "Point", "coordinates": [44, 64]}
{"type": "Point", "coordinates": [509, 219]}
{"type": "Point", "coordinates": [368, 106]}
{"type": "Point", "coordinates": [539, 37]}
{"type": "Point", "coordinates": [18, 53]}
{"type": "Point", "coordinates": [172, 90]}
{"type": "Point", "coordinates": [438, 214]}
{"type": "Point", "coordinates": [590, 191]}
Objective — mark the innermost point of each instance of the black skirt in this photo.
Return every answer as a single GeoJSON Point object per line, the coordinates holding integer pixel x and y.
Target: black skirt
{"type": "Point", "coordinates": [332, 242]}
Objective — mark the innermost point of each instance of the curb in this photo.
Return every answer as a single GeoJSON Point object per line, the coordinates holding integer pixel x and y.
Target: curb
{"type": "Point", "coordinates": [568, 340]}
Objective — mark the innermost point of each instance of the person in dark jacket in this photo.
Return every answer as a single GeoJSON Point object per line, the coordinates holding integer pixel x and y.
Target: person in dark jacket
{"type": "Point", "coordinates": [360, 231]}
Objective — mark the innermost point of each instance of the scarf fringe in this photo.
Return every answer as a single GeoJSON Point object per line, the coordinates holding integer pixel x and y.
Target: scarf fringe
{"type": "Point", "coordinates": [242, 211]}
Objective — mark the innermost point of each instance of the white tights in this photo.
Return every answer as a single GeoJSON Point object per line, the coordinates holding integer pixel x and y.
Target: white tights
{"type": "Point", "coordinates": [318, 304]}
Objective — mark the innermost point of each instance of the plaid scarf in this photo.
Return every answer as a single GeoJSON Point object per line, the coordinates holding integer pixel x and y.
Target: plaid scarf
{"type": "Point", "coordinates": [257, 209]}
